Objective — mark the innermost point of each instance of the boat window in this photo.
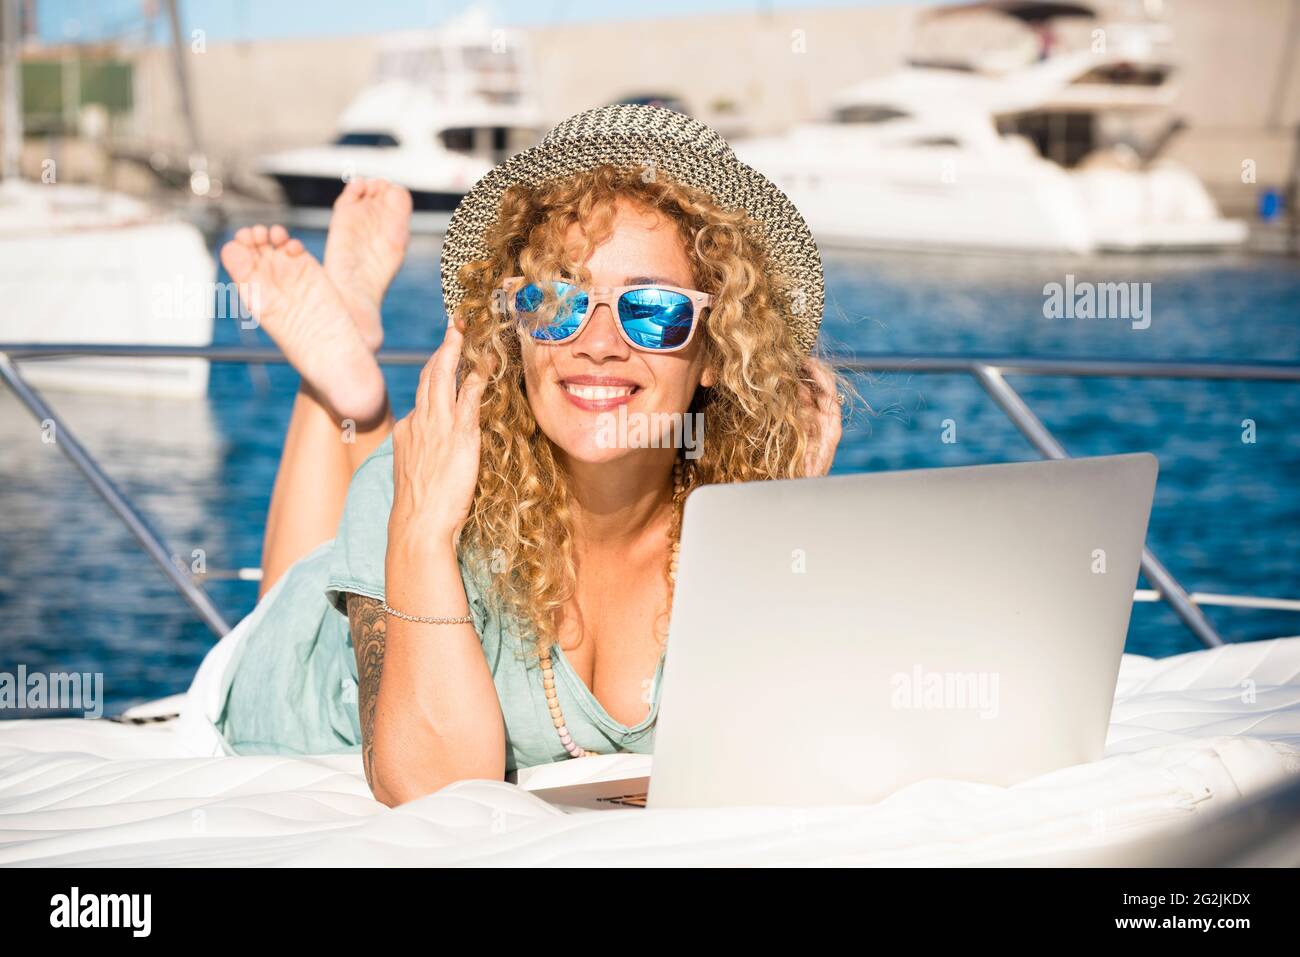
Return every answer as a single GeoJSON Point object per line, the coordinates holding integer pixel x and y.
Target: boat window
{"type": "Point", "coordinates": [366, 139]}
{"type": "Point", "coordinates": [1063, 138]}
{"type": "Point", "coordinates": [458, 140]}
{"type": "Point", "coordinates": [867, 113]}
{"type": "Point", "coordinates": [494, 143]}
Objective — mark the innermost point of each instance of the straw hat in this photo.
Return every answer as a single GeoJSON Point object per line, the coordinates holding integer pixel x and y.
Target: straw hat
{"type": "Point", "coordinates": [649, 138]}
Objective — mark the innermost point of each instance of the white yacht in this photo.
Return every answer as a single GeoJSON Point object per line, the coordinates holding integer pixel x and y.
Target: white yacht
{"type": "Point", "coordinates": [445, 107]}
{"type": "Point", "coordinates": [79, 264]}
{"type": "Point", "coordinates": [1015, 126]}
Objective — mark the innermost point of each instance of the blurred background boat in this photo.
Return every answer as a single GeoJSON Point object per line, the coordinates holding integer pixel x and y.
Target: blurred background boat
{"type": "Point", "coordinates": [1017, 126]}
{"type": "Point", "coordinates": [80, 263]}
{"type": "Point", "coordinates": [445, 106]}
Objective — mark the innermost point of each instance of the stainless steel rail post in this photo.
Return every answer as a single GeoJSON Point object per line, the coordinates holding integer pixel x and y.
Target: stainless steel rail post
{"type": "Point", "coordinates": [68, 444]}
{"type": "Point", "coordinates": [1032, 428]}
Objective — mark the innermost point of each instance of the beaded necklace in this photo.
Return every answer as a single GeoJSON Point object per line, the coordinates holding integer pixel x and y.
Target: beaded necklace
{"type": "Point", "coordinates": [548, 672]}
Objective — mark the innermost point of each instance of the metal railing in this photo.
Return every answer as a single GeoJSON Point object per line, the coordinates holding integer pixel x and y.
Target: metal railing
{"type": "Point", "coordinates": [989, 371]}
{"type": "Point", "coordinates": [121, 505]}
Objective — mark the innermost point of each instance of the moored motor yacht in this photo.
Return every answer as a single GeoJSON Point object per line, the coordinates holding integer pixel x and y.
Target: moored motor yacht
{"type": "Point", "coordinates": [445, 107]}
{"type": "Point", "coordinates": [1014, 126]}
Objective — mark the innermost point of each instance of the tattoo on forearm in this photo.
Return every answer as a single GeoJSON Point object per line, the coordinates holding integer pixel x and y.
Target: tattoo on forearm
{"type": "Point", "coordinates": [369, 627]}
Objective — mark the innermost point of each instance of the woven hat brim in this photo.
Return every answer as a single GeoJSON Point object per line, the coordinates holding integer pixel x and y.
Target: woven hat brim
{"type": "Point", "coordinates": [781, 229]}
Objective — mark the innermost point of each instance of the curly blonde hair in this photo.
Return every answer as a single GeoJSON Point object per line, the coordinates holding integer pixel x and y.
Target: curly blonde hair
{"type": "Point", "coordinates": [757, 423]}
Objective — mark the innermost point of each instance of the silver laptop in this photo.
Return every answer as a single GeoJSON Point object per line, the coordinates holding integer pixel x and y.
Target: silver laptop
{"type": "Point", "coordinates": [836, 639]}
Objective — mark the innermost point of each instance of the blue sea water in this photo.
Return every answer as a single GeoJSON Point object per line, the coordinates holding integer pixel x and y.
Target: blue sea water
{"type": "Point", "coordinates": [77, 594]}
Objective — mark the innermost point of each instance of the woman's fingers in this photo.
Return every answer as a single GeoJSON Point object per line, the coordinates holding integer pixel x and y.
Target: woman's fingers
{"type": "Point", "coordinates": [822, 395]}
{"type": "Point", "coordinates": [808, 389]}
{"type": "Point", "coordinates": [422, 389]}
{"type": "Point", "coordinates": [827, 400]}
{"type": "Point", "coordinates": [441, 388]}
{"type": "Point", "coordinates": [823, 385]}
{"type": "Point", "coordinates": [834, 428]}
{"type": "Point", "coordinates": [436, 393]}
{"type": "Point", "coordinates": [442, 378]}
{"type": "Point", "coordinates": [468, 403]}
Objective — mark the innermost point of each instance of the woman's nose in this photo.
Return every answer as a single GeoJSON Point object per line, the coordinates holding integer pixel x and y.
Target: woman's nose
{"type": "Point", "coordinates": [600, 339]}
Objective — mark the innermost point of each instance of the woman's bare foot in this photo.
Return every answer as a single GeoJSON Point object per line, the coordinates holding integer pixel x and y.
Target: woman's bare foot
{"type": "Point", "coordinates": [369, 229]}
{"type": "Point", "coordinates": [295, 302]}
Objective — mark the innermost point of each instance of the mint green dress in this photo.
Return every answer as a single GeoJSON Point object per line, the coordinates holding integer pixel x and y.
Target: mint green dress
{"type": "Point", "coordinates": [291, 688]}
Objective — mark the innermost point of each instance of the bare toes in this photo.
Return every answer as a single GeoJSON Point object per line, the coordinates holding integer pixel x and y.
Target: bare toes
{"type": "Point", "coordinates": [244, 235]}
{"type": "Point", "coordinates": [260, 235]}
{"type": "Point", "coordinates": [397, 198]}
{"type": "Point", "coordinates": [279, 235]}
{"type": "Point", "coordinates": [294, 247]}
{"type": "Point", "coordinates": [352, 190]}
{"type": "Point", "coordinates": [237, 257]}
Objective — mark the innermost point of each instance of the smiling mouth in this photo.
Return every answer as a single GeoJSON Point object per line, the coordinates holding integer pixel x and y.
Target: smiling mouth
{"type": "Point", "coordinates": [587, 395]}
{"type": "Point", "coordinates": [599, 392]}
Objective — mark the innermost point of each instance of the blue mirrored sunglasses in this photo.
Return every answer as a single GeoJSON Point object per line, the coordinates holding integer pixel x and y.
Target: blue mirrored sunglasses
{"type": "Point", "coordinates": [653, 318]}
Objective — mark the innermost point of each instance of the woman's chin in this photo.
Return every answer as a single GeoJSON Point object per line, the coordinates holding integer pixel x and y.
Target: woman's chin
{"type": "Point", "coordinates": [586, 442]}
{"type": "Point", "coordinates": [590, 449]}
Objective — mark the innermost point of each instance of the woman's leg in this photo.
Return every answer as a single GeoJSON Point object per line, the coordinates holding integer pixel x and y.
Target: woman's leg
{"type": "Point", "coordinates": [311, 483]}
{"type": "Point", "coordinates": [366, 243]}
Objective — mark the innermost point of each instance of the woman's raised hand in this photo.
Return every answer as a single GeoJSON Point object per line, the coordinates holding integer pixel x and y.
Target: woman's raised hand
{"type": "Point", "coordinates": [436, 454]}
{"type": "Point", "coordinates": [822, 398]}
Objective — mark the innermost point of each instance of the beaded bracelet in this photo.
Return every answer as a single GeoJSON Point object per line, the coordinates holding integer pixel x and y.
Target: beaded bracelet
{"type": "Point", "coordinates": [463, 620]}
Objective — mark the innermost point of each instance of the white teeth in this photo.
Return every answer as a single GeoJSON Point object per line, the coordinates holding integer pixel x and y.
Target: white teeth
{"type": "Point", "coordinates": [597, 392]}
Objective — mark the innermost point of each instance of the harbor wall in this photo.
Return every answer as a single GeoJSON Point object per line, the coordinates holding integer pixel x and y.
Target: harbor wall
{"type": "Point", "coordinates": [742, 72]}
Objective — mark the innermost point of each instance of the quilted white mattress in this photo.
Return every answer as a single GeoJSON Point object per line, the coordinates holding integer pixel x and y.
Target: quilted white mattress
{"type": "Point", "coordinates": [1188, 734]}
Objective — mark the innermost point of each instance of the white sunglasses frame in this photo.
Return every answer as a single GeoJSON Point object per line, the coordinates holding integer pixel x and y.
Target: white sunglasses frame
{"type": "Point", "coordinates": [609, 295]}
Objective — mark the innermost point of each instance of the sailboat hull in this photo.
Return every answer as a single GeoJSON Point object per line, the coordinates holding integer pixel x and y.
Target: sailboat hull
{"type": "Point", "coordinates": [118, 283]}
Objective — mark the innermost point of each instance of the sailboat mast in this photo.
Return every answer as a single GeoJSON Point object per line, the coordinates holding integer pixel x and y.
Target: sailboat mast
{"type": "Point", "coordinates": [182, 78]}
{"type": "Point", "coordinates": [12, 105]}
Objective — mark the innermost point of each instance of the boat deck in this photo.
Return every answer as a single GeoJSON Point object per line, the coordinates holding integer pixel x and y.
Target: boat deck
{"type": "Point", "coordinates": [1189, 736]}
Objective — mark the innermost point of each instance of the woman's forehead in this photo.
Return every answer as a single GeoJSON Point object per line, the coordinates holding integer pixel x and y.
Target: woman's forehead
{"type": "Point", "coordinates": [641, 247]}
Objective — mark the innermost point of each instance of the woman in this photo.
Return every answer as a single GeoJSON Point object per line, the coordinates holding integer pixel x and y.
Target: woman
{"type": "Point", "coordinates": [505, 558]}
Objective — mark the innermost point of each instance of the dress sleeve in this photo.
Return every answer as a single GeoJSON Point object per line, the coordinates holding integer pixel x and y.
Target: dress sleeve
{"type": "Point", "coordinates": [357, 558]}
{"type": "Point", "coordinates": [358, 553]}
